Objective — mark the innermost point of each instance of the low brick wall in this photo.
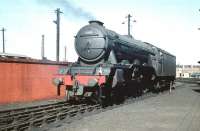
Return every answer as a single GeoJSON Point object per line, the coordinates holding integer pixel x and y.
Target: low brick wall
{"type": "Point", "coordinates": [25, 81]}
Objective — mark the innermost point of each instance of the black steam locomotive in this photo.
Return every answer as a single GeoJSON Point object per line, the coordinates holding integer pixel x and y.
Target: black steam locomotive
{"type": "Point", "coordinates": [111, 66]}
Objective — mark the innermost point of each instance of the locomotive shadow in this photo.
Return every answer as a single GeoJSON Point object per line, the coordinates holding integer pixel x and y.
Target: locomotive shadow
{"type": "Point", "coordinates": [196, 90]}
{"type": "Point", "coordinates": [131, 90]}
{"type": "Point", "coordinates": [134, 89]}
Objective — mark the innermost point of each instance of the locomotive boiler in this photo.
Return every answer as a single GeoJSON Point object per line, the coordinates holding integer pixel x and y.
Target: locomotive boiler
{"type": "Point", "coordinates": [110, 64]}
{"type": "Point", "coordinates": [95, 44]}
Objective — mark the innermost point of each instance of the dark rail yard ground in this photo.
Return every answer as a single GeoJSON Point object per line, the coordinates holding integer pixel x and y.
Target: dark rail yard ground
{"type": "Point", "coordinates": [177, 111]}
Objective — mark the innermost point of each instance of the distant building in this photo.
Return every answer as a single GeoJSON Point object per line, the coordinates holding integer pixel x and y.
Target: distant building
{"type": "Point", "coordinates": [188, 71]}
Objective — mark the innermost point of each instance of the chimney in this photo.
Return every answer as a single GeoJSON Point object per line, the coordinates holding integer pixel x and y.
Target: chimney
{"type": "Point", "coordinates": [42, 48]}
{"type": "Point", "coordinates": [96, 22]}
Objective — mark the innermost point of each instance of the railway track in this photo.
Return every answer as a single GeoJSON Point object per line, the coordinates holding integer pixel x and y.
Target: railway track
{"type": "Point", "coordinates": [44, 116]}
{"type": "Point", "coordinates": [37, 116]}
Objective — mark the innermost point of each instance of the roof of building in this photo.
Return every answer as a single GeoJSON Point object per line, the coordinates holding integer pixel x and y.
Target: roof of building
{"type": "Point", "coordinates": [16, 58]}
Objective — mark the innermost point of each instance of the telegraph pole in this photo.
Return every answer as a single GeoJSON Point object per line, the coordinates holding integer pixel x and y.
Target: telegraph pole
{"type": "Point", "coordinates": [3, 39]}
{"type": "Point", "coordinates": [129, 24]}
{"type": "Point", "coordinates": [57, 22]}
{"type": "Point", "coordinates": [199, 29]}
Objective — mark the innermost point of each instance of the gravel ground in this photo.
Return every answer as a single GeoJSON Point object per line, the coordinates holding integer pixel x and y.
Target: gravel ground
{"type": "Point", "coordinates": [178, 111]}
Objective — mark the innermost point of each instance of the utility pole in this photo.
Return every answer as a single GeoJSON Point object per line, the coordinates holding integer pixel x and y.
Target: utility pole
{"type": "Point", "coordinates": [129, 24]}
{"type": "Point", "coordinates": [42, 48]}
{"type": "Point", "coordinates": [198, 28]}
{"type": "Point", "coordinates": [3, 39]}
{"type": "Point", "coordinates": [57, 22]}
{"type": "Point", "coordinates": [129, 18]}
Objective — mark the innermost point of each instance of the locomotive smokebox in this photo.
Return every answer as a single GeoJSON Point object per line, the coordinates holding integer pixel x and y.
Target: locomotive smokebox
{"type": "Point", "coordinates": [91, 43]}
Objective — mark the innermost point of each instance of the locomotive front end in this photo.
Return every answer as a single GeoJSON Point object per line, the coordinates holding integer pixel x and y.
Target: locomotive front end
{"type": "Point", "coordinates": [82, 82]}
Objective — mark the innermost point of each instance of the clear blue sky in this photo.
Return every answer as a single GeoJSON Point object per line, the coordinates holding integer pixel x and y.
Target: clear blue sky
{"type": "Point", "coordinates": [169, 24]}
